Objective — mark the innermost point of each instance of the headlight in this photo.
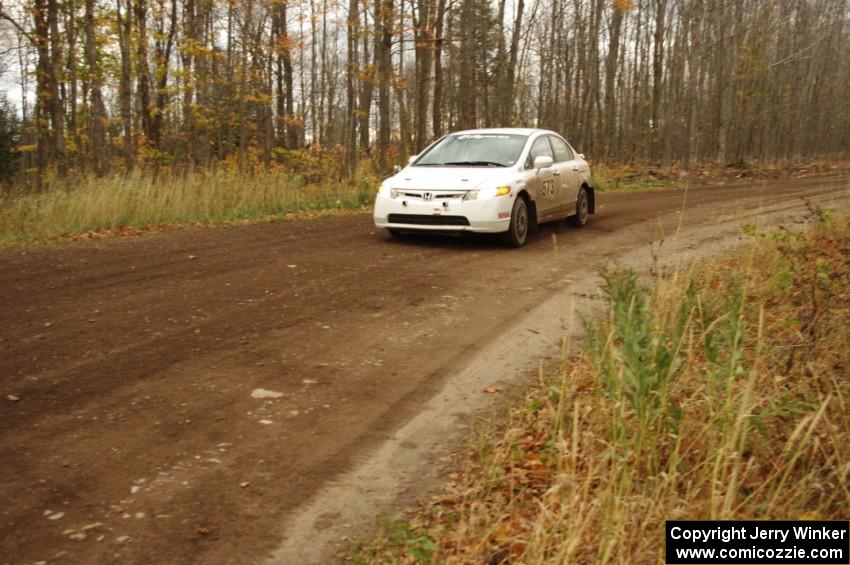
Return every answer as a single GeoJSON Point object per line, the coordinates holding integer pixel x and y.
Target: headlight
{"type": "Point", "coordinates": [485, 193]}
{"type": "Point", "coordinates": [387, 191]}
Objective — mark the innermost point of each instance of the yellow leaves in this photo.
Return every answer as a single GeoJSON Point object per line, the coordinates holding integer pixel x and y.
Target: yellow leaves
{"type": "Point", "coordinates": [195, 48]}
{"type": "Point", "coordinates": [260, 98]}
{"type": "Point", "coordinates": [367, 74]}
{"type": "Point", "coordinates": [624, 5]}
{"type": "Point", "coordinates": [285, 44]}
{"type": "Point", "coordinates": [398, 83]}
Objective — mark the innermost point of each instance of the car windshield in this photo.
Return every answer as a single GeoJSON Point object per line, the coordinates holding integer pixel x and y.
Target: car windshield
{"type": "Point", "coordinates": [474, 150]}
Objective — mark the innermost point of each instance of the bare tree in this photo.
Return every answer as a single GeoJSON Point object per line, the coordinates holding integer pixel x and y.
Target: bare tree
{"type": "Point", "coordinates": [650, 80]}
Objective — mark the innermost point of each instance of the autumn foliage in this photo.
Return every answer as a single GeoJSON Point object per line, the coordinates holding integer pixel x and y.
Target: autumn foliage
{"type": "Point", "coordinates": [260, 85]}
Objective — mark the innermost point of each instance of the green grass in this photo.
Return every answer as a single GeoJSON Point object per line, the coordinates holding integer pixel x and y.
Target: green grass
{"type": "Point", "coordinates": [720, 392]}
{"type": "Point", "coordinates": [139, 201]}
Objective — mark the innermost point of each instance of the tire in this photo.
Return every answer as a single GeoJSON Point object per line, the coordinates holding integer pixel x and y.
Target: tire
{"type": "Point", "coordinates": [395, 233]}
{"type": "Point", "coordinates": [582, 209]}
{"type": "Point", "coordinates": [517, 233]}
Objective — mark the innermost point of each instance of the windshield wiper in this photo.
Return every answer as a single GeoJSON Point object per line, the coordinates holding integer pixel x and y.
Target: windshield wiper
{"type": "Point", "coordinates": [476, 163]}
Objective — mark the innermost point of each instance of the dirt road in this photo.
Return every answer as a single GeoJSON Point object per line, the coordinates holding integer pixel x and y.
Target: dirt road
{"type": "Point", "coordinates": [128, 429]}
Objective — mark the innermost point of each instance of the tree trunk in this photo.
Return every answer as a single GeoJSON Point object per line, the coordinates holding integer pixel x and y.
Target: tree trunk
{"type": "Point", "coordinates": [423, 52]}
{"type": "Point", "coordinates": [367, 81]}
{"type": "Point", "coordinates": [467, 100]}
{"type": "Point", "coordinates": [405, 126]}
{"type": "Point", "coordinates": [611, 60]}
{"type": "Point", "coordinates": [437, 103]}
{"type": "Point", "coordinates": [57, 106]}
{"type": "Point", "coordinates": [323, 83]}
{"type": "Point", "coordinates": [201, 33]}
{"type": "Point", "coordinates": [44, 86]}
{"type": "Point", "coordinates": [164, 45]}
{"type": "Point", "coordinates": [657, 76]}
{"type": "Point", "coordinates": [142, 73]}
{"type": "Point", "coordinates": [97, 112]}
{"type": "Point", "coordinates": [507, 116]}
{"type": "Point", "coordinates": [384, 44]}
{"type": "Point", "coordinates": [125, 86]}
{"type": "Point", "coordinates": [243, 86]}
{"type": "Point", "coordinates": [350, 77]}
{"type": "Point", "coordinates": [71, 66]}
{"type": "Point", "coordinates": [188, 80]}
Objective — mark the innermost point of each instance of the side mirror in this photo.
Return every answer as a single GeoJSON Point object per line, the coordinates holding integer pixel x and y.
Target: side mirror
{"type": "Point", "coordinates": [580, 155]}
{"type": "Point", "coordinates": [396, 168]}
{"type": "Point", "coordinates": [411, 159]}
{"type": "Point", "coordinates": [543, 162]}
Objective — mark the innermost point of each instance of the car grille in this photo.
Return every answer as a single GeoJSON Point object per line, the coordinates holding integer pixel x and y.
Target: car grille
{"type": "Point", "coordinates": [428, 220]}
{"type": "Point", "coordinates": [433, 195]}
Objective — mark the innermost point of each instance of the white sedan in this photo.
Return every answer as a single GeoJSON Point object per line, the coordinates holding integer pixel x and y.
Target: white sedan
{"type": "Point", "coordinates": [488, 181]}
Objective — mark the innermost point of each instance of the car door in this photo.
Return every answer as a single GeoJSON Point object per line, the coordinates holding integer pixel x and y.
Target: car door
{"type": "Point", "coordinates": [542, 184]}
{"type": "Point", "coordinates": [567, 173]}
{"type": "Point", "coordinates": [580, 167]}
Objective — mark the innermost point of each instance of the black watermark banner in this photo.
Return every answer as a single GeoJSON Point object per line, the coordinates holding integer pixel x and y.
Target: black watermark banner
{"type": "Point", "coordinates": [757, 541]}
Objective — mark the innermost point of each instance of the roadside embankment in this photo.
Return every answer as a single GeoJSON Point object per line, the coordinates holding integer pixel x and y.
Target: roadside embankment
{"type": "Point", "coordinates": [716, 392]}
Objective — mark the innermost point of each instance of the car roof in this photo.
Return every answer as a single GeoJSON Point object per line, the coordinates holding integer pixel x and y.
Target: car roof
{"type": "Point", "coordinates": [514, 131]}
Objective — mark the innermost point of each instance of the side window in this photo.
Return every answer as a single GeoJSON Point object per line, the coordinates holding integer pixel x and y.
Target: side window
{"type": "Point", "coordinates": [562, 150]}
{"type": "Point", "coordinates": [540, 148]}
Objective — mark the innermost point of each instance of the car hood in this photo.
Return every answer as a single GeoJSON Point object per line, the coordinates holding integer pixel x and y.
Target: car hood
{"type": "Point", "coordinates": [447, 178]}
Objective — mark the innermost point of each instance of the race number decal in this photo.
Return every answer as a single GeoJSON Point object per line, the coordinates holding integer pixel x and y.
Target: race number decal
{"type": "Point", "coordinates": [548, 189]}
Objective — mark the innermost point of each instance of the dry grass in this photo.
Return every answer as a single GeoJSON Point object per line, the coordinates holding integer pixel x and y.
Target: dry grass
{"type": "Point", "coordinates": [91, 207]}
{"type": "Point", "coordinates": [719, 393]}
{"type": "Point", "coordinates": [139, 201]}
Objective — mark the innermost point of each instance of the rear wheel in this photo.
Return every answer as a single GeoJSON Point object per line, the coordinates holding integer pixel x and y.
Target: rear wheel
{"type": "Point", "coordinates": [582, 208]}
{"type": "Point", "coordinates": [517, 232]}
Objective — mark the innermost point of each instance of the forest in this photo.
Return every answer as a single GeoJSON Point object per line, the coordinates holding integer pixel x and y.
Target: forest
{"type": "Point", "coordinates": [324, 87]}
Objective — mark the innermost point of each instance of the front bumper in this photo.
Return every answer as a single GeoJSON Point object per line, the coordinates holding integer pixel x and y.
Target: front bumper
{"type": "Point", "coordinates": [491, 215]}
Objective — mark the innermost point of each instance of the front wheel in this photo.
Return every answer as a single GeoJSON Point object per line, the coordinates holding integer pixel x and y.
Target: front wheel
{"type": "Point", "coordinates": [582, 208]}
{"type": "Point", "coordinates": [517, 232]}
